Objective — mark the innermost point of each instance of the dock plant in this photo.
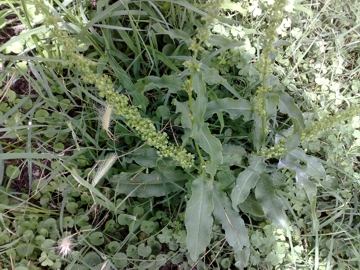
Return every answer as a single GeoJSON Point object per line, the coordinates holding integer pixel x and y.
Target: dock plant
{"type": "Point", "coordinates": [197, 120]}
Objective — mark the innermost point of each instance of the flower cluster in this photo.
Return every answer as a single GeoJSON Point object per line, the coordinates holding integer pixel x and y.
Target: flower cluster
{"type": "Point", "coordinates": [119, 102]}
{"type": "Point", "coordinates": [312, 132]}
{"type": "Point", "coordinates": [265, 64]}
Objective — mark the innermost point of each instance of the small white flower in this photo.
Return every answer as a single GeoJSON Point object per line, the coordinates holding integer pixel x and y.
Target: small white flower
{"type": "Point", "coordinates": [65, 246]}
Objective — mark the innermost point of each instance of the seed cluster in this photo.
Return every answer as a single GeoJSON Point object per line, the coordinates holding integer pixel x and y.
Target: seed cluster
{"type": "Point", "coordinates": [119, 102]}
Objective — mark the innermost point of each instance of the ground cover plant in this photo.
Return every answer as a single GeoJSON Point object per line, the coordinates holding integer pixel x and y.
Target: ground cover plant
{"type": "Point", "coordinates": [179, 135]}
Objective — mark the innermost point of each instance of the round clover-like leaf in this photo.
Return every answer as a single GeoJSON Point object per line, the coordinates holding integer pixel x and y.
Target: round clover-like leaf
{"type": "Point", "coordinates": [68, 222]}
{"type": "Point", "coordinates": [47, 244]}
{"type": "Point", "coordinates": [97, 238]}
{"type": "Point", "coordinates": [92, 258]}
{"type": "Point", "coordinates": [28, 235]}
{"type": "Point", "coordinates": [66, 105]}
{"type": "Point", "coordinates": [143, 250]}
{"type": "Point", "coordinates": [11, 96]}
{"type": "Point", "coordinates": [138, 211]}
{"type": "Point", "coordinates": [226, 263]}
{"type": "Point", "coordinates": [161, 259]}
{"type": "Point", "coordinates": [39, 239]}
{"type": "Point", "coordinates": [12, 171]}
{"type": "Point", "coordinates": [40, 115]}
{"type": "Point", "coordinates": [27, 105]}
{"type": "Point", "coordinates": [50, 224]}
{"type": "Point", "coordinates": [111, 226]}
{"type": "Point", "coordinates": [25, 250]}
{"type": "Point", "coordinates": [113, 246]}
{"type": "Point", "coordinates": [59, 147]}
{"type": "Point", "coordinates": [131, 251]}
{"type": "Point", "coordinates": [72, 207]}
{"type": "Point", "coordinates": [148, 226]}
{"type": "Point", "coordinates": [120, 260]}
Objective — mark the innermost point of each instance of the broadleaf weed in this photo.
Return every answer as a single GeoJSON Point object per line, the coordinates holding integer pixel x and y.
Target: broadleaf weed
{"type": "Point", "coordinates": [217, 139]}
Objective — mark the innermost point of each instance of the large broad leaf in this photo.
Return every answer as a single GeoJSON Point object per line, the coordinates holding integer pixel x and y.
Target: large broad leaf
{"type": "Point", "coordinates": [202, 135]}
{"type": "Point", "coordinates": [287, 105]}
{"type": "Point", "coordinates": [271, 203]}
{"type": "Point", "coordinates": [198, 218]}
{"type": "Point", "coordinates": [199, 108]}
{"type": "Point", "coordinates": [252, 207]}
{"type": "Point", "coordinates": [293, 141]}
{"type": "Point", "coordinates": [235, 108]}
{"type": "Point", "coordinates": [232, 155]}
{"type": "Point", "coordinates": [313, 165]}
{"type": "Point", "coordinates": [235, 231]}
{"type": "Point", "coordinates": [146, 157]}
{"type": "Point", "coordinates": [148, 185]}
{"type": "Point", "coordinates": [183, 108]}
{"type": "Point", "coordinates": [303, 180]}
{"type": "Point", "coordinates": [174, 34]}
{"type": "Point", "coordinates": [211, 145]}
{"type": "Point", "coordinates": [258, 133]}
{"type": "Point", "coordinates": [171, 82]}
{"type": "Point", "coordinates": [246, 180]}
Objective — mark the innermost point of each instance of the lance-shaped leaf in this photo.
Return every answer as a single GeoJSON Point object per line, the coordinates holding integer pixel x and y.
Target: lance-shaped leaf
{"type": "Point", "coordinates": [211, 145]}
{"type": "Point", "coordinates": [199, 106]}
{"type": "Point", "coordinates": [173, 33]}
{"type": "Point", "coordinates": [313, 165]}
{"type": "Point", "coordinates": [183, 108]}
{"type": "Point", "coordinates": [235, 108]}
{"type": "Point", "coordinates": [148, 185]}
{"type": "Point", "coordinates": [198, 216]}
{"type": "Point", "coordinates": [303, 180]}
{"type": "Point", "coordinates": [171, 82]}
{"type": "Point", "coordinates": [258, 133]}
{"type": "Point", "coordinates": [202, 135]}
{"type": "Point", "coordinates": [246, 180]}
{"type": "Point", "coordinates": [271, 203]}
{"type": "Point", "coordinates": [235, 231]}
{"type": "Point", "coordinates": [288, 106]}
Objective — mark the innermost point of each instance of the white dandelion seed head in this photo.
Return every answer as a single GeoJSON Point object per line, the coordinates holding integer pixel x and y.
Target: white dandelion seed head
{"type": "Point", "coordinates": [65, 246]}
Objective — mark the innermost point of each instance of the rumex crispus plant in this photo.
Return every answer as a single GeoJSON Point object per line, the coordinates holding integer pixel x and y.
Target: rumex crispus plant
{"type": "Point", "coordinates": [233, 150]}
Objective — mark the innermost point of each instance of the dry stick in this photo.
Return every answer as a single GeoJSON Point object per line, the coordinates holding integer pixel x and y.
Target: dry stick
{"type": "Point", "coordinates": [192, 268]}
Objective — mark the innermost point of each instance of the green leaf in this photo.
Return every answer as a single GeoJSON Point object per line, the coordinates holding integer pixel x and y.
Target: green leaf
{"type": "Point", "coordinates": [148, 226]}
{"type": "Point", "coordinates": [258, 134]}
{"type": "Point", "coordinates": [246, 180]}
{"type": "Point", "coordinates": [270, 202]}
{"type": "Point", "coordinates": [92, 258]}
{"type": "Point", "coordinates": [301, 176]}
{"type": "Point", "coordinates": [199, 108]}
{"type": "Point", "coordinates": [147, 185]}
{"type": "Point", "coordinates": [293, 141]}
{"type": "Point", "coordinates": [143, 250]}
{"type": "Point", "coordinates": [287, 105]}
{"type": "Point", "coordinates": [183, 108]}
{"type": "Point", "coordinates": [165, 59]}
{"type": "Point", "coordinates": [25, 250]}
{"type": "Point", "coordinates": [146, 157]}
{"type": "Point", "coordinates": [171, 82]}
{"type": "Point", "coordinates": [211, 145]}
{"type": "Point", "coordinates": [174, 34]}
{"type": "Point", "coordinates": [235, 108]}
{"type": "Point", "coordinates": [313, 165]}
{"type": "Point", "coordinates": [233, 225]}
{"type": "Point", "coordinates": [12, 171]}
{"type": "Point", "coordinates": [251, 207]}
{"type": "Point", "coordinates": [120, 260]}
{"type": "Point", "coordinates": [96, 238]}
{"type": "Point", "coordinates": [198, 219]}
{"type": "Point", "coordinates": [11, 95]}
{"type": "Point", "coordinates": [233, 154]}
